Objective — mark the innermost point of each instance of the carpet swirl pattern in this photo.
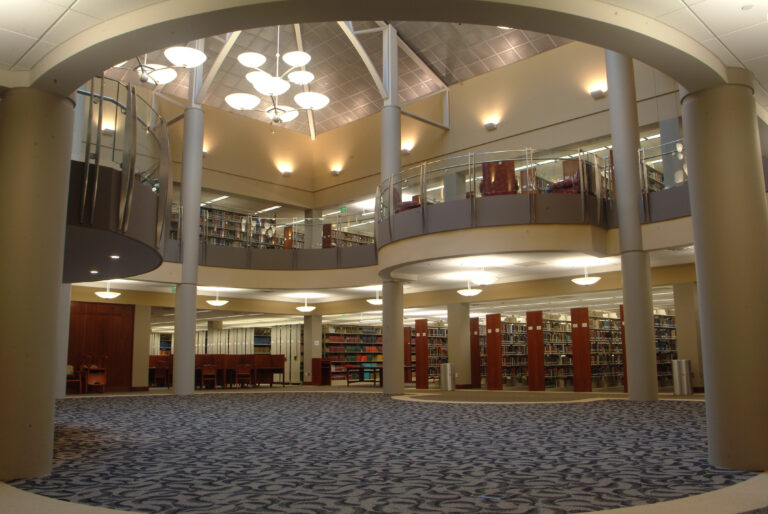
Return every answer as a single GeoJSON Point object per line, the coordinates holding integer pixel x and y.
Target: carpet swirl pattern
{"type": "Point", "coordinates": [335, 452]}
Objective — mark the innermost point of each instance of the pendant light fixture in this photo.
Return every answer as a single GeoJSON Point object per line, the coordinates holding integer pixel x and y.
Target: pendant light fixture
{"type": "Point", "coordinates": [375, 301]}
{"type": "Point", "coordinates": [305, 307]}
{"type": "Point", "coordinates": [217, 302]}
{"type": "Point", "coordinates": [108, 295]}
{"type": "Point", "coordinates": [586, 280]}
{"type": "Point", "coordinates": [273, 86]}
{"type": "Point", "coordinates": [469, 291]}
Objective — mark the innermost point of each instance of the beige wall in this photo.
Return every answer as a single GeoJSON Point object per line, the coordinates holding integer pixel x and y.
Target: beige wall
{"type": "Point", "coordinates": [541, 102]}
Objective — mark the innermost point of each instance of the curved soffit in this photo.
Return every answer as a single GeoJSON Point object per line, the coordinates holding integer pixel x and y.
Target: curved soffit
{"type": "Point", "coordinates": [175, 21]}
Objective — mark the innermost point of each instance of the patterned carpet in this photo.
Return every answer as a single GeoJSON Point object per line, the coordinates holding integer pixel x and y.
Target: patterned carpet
{"type": "Point", "coordinates": [304, 452]}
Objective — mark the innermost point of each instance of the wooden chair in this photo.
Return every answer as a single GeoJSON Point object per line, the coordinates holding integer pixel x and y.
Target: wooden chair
{"type": "Point", "coordinates": [95, 378]}
{"type": "Point", "coordinates": [74, 378]}
{"type": "Point", "coordinates": [208, 374]}
{"type": "Point", "coordinates": [243, 374]}
{"type": "Point", "coordinates": [162, 373]}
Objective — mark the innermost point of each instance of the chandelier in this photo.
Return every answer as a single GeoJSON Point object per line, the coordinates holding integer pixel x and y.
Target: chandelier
{"type": "Point", "coordinates": [273, 86]}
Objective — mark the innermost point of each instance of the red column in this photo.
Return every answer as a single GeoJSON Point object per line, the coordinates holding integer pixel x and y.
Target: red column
{"type": "Point", "coordinates": [534, 322]}
{"type": "Point", "coordinates": [494, 380]}
{"type": "Point", "coordinates": [422, 355]}
{"type": "Point", "coordinates": [582, 361]}
{"type": "Point", "coordinates": [474, 352]}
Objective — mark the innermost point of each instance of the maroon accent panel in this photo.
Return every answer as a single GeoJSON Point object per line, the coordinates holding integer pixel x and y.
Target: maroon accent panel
{"type": "Point", "coordinates": [582, 362]}
{"type": "Point", "coordinates": [101, 334]}
{"type": "Point", "coordinates": [494, 380]}
{"type": "Point", "coordinates": [422, 354]}
{"type": "Point", "coordinates": [474, 352]}
{"type": "Point", "coordinates": [534, 323]}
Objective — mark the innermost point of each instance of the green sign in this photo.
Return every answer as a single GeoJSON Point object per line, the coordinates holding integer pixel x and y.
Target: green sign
{"type": "Point", "coordinates": [343, 209]}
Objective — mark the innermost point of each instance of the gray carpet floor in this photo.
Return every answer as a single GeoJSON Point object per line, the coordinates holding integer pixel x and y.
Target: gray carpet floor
{"type": "Point", "coordinates": [335, 452]}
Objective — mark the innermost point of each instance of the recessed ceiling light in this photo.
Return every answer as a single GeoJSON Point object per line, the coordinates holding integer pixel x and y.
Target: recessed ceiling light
{"type": "Point", "coordinates": [114, 257]}
{"type": "Point", "coordinates": [94, 272]}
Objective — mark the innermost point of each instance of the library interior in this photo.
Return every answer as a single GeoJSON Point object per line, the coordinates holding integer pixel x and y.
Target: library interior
{"type": "Point", "coordinates": [477, 255]}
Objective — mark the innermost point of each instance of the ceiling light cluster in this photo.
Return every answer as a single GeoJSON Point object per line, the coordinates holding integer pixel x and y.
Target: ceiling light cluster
{"type": "Point", "coordinates": [161, 74]}
{"type": "Point", "coordinates": [275, 85]}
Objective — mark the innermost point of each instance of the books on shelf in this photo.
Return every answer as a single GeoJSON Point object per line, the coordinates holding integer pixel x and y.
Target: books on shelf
{"type": "Point", "coordinates": [346, 345]}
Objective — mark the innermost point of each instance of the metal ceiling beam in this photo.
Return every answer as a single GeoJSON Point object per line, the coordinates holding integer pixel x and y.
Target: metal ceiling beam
{"type": "Point", "coordinates": [346, 27]}
{"type": "Point", "coordinates": [230, 42]}
{"type": "Point", "coordinates": [406, 48]}
{"type": "Point", "coordinates": [310, 112]}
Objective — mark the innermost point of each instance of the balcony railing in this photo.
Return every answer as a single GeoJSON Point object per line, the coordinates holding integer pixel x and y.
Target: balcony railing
{"type": "Point", "coordinates": [478, 175]}
{"type": "Point", "coordinates": [220, 227]}
{"type": "Point", "coordinates": [121, 130]}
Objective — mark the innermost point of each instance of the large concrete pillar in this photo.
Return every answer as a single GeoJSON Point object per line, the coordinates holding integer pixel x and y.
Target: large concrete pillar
{"type": "Point", "coordinates": [730, 232]}
{"type": "Point", "coordinates": [62, 343]}
{"type": "Point", "coordinates": [313, 344]}
{"type": "Point", "coordinates": [390, 112]}
{"type": "Point", "coordinates": [635, 264]}
{"type": "Point", "coordinates": [313, 228]}
{"type": "Point", "coordinates": [392, 336]}
{"type": "Point", "coordinates": [142, 332]}
{"type": "Point", "coordinates": [458, 343]}
{"type": "Point", "coordinates": [186, 291]}
{"type": "Point", "coordinates": [35, 149]}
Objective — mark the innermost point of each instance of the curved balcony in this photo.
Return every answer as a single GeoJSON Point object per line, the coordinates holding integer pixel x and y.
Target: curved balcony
{"type": "Point", "coordinates": [522, 187]}
{"type": "Point", "coordinates": [119, 195]}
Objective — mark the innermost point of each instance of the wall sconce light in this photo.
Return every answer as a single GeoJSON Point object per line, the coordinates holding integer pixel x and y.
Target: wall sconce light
{"type": "Point", "coordinates": [598, 92]}
{"type": "Point", "coordinates": [336, 170]}
{"type": "Point", "coordinates": [285, 169]}
{"type": "Point", "coordinates": [491, 125]}
{"type": "Point", "coordinates": [108, 130]}
{"type": "Point", "coordinates": [406, 147]}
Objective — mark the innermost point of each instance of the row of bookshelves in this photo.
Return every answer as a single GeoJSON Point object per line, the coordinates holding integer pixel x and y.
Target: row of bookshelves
{"type": "Point", "coordinates": [599, 339]}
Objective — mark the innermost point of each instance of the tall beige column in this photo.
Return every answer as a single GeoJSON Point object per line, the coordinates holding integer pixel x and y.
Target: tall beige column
{"type": "Point", "coordinates": [142, 332]}
{"type": "Point", "coordinates": [730, 233]}
{"type": "Point", "coordinates": [687, 327]}
{"type": "Point", "coordinates": [458, 343]}
{"type": "Point", "coordinates": [635, 263]}
{"type": "Point", "coordinates": [35, 146]}
{"type": "Point", "coordinates": [392, 337]}
{"type": "Point", "coordinates": [62, 345]}
{"type": "Point", "coordinates": [313, 344]}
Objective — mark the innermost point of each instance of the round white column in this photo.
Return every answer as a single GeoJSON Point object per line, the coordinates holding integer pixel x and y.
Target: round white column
{"type": "Point", "coordinates": [35, 148]}
{"type": "Point", "coordinates": [458, 343]}
{"type": "Point", "coordinates": [186, 291]}
{"type": "Point", "coordinates": [635, 265]}
{"type": "Point", "coordinates": [730, 231]}
{"type": "Point", "coordinates": [392, 337]}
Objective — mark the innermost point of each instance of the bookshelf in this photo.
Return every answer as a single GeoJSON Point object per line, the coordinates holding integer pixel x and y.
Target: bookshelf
{"type": "Point", "coordinates": [655, 179]}
{"type": "Point", "coordinates": [409, 355]}
{"type": "Point", "coordinates": [514, 352]}
{"type": "Point", "coordinates": [666, 347]}
{"type": "Point", "coordinates": [558, 353]}
{"type": "Point", "coordinates": [355, 345]}
{"type": "Point", "coordinates": [438, 353]}
{"type": "Point", "coordinates": [606, 351]}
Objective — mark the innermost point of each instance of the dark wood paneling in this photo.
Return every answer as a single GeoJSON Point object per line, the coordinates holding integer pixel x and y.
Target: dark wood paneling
{"type": "Point", "coordinates": [494, 379]}
{"type": "Point", "coordinates": [534, 323]}
{"type": "Point", "coordinates": [422, 354]}
{"type": "Point", "coordinates": [474, 353]}
{"type": "Point", "coordinates": [102, 334]}
{"type": "Point", "coordinates": [582, 364]}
